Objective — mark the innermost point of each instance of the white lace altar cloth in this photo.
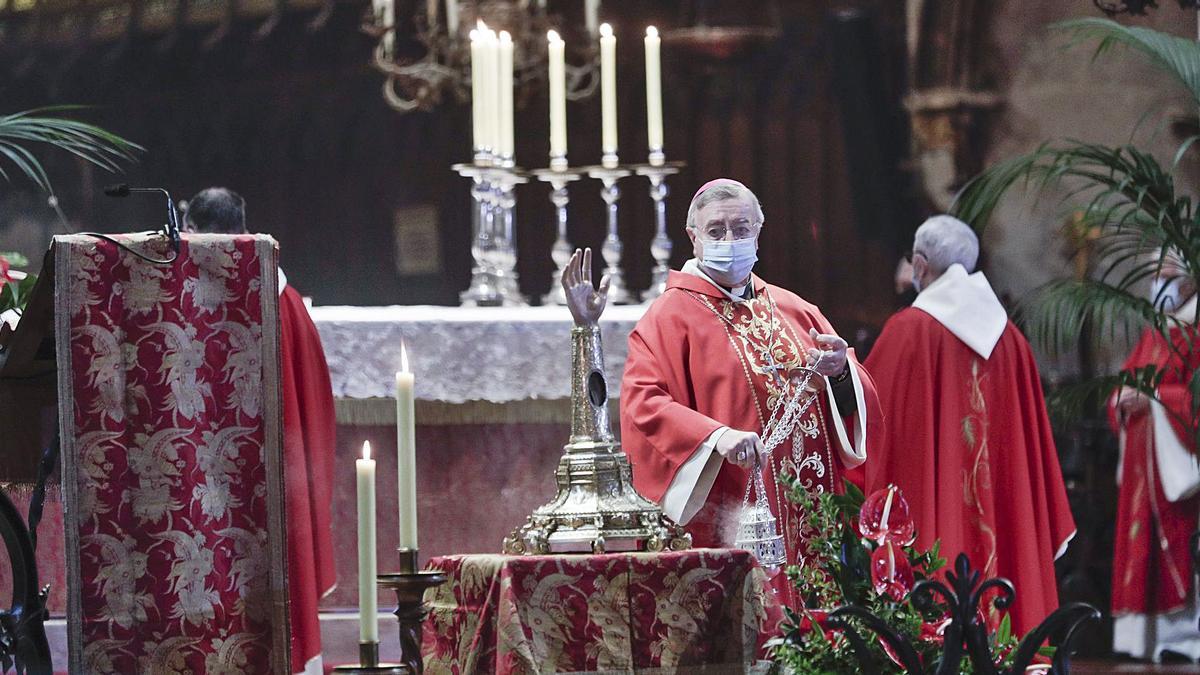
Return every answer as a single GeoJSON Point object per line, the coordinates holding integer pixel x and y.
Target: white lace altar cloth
{"type": "Point", "coordinates": [462, 354]}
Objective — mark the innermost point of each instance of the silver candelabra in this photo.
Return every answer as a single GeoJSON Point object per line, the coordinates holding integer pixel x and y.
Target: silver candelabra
{"type": "Point", "coordinates": [660, 246]}
{"type": "Point", "coordinates": [493, 242]}
{"type": "Point", "coordinates": [493, 223]}
{"type": "Point", "coordinates": [618, 291]}
{"type": "Point", "coordinates": [559, 179]}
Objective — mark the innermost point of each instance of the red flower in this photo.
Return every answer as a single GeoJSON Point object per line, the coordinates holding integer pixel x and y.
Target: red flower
{"type": "Point", "coordinates": [811, 619]}
{"type": "Point", "coordinates": [4, 267]}
{"type": "Point", "coordinates": [884, 516]}
{"type": "Point", "coordinates": [891, 573]}
{"type": "Point", "coordinates": [935, 632]}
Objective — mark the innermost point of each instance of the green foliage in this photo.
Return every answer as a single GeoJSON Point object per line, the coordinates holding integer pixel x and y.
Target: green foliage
{"type": "Point", "coordinates": [837, 572]}
{"type": "Point", "coordinates": [43, 126]}
{"type": "Point", "coordinates": [1129, 204]}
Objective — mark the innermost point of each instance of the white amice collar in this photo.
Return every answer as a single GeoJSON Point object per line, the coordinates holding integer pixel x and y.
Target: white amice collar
{"type": "Point", "coordinates": [967, 306]}
{"type": "Point", "coordinates": [282, 280]}
{"type": "Point", "coordinates": [736, 294]}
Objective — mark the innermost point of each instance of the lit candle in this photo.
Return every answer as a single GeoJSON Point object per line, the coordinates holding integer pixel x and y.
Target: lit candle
{"type": "Point", "coordinates": [452, 17]}
{"type": "Point", "coordinates": [406, 456]}
{"type": "Point", "coordinates": [368, 611]}
{"type": "Point", "coordinates": [591, 15]}
{"type": "Point", "coordinates": [608, 94]}
{"type": "Point", "coordinates": [654, 130]}
{"type": "Point", "coordinates": [491, 85]}
{"type": "Point", "coordinates": [477, 118]}
{"type": "Point", "coordinates": [558, 100]}
{"type": "Point", "coordinates": [505, 86]}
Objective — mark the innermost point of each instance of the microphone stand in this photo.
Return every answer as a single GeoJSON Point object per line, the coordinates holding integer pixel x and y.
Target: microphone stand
{"type": "Point", "coordinates": [170, 230]}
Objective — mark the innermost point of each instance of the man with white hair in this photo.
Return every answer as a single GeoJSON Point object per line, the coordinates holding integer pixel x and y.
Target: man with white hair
{"type": "Point", "coordinates": [728, 375]}
{"type": "Point", "coordinates": [968, 438]}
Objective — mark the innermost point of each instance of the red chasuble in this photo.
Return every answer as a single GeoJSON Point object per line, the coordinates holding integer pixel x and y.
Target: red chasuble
{"type": "Point", "coordinates": [1152, 596]}
{"type": "Point", "coordinates": [698, 361]}
{"type": "Point", "coordinates": [969, 444]}
{"type": "Point", "coordinates": [308, 443]}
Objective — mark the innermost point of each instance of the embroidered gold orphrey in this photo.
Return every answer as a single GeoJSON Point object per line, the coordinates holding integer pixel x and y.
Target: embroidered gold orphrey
{"type": "Point", "coordinates": [772, 358]}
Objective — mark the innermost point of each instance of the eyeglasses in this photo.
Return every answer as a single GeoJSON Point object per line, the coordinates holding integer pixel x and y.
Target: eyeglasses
{"type": "Point", "coordinates": [720, 232]}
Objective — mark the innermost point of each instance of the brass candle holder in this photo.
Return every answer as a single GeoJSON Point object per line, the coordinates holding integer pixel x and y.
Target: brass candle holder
{"type": "Point", "coordinates": [410, 586]}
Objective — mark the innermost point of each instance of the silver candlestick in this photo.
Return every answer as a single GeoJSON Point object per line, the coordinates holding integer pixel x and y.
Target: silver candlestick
{"type": "Point", "coordinates": [618, 292]}
{"type": "Point", "coordinates": [483, 290]}
{"type": "Point", "coordinates": [559, 179]}
{"type": "Point", "coordinates": [505, 179]}
{"type": "Point", "coordinates": [660, 246]}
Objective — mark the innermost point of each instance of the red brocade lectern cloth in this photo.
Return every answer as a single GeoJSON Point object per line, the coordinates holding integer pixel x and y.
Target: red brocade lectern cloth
{"type": "Point", "coordinates": [170, 426]}
{"type": "Point", "coordinates": [704, 610]}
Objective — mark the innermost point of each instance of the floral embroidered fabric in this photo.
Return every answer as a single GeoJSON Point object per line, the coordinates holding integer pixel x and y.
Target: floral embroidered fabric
{"type": "Point", "coordinates": [170, 446]}
{"type": "Point", "coordinates": [616, 612]}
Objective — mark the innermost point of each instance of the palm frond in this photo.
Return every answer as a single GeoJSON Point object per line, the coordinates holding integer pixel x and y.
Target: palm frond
{"type": "Point", "coordinates": [1178, 56]}
{"type": "Point", "coordinates": [44, 126]}
{"type": "Point", "coordinates": [1072, 401]}
{"type": "Point", "coordinates": [1124, 188]}
{"type": "Point", "coordinates": [1055, 315]}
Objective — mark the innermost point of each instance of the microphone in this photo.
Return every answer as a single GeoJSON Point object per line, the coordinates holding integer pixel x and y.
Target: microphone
{"type": "Point", "coordinates": [172, 227]}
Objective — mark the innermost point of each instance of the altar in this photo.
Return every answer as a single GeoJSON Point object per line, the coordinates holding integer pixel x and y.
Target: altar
{"type": "Point", "coordinates": [492, 408]}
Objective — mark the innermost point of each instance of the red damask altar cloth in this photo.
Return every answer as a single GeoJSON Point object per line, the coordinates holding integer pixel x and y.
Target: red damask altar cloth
{"type": "Point", "coordinates": [704, 610]}
{"type": "Point", "coordinates": [170, 429]}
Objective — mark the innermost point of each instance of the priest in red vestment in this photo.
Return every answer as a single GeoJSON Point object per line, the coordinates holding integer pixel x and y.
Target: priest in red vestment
{"type": "Point", "coordinates": [1153, 597]}
{"type": "Point", "coordinates": [723, 375]}
{"type": "Point", "coordinates": [968, 437]}
{"type": "Point", "coordinates": [309, 428]}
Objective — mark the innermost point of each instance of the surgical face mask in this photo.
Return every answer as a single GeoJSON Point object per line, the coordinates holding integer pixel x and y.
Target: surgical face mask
{"type": "Point", "coordinates": [732, 260]}
{"type": "Point", "coordinates": [1164, 293]}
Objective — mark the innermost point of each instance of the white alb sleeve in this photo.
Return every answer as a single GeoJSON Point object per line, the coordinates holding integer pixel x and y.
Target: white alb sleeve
{"type": "Point", "coordinates": [692, 483]}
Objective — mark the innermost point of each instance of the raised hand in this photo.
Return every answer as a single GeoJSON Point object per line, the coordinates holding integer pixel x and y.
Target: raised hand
{"type": "Point", "coordinates": [833, 363]}
{"type": "Point", "coordinates": [585, 301]}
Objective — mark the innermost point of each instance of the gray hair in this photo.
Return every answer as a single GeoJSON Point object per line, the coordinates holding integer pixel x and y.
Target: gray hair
{"type": "Point", "coordinates": [720, 193]}
{"type": "Point", "coordinates": [946, 240]}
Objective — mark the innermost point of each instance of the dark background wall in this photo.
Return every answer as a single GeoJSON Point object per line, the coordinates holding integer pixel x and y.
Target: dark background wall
{"type": "Point", "coordinates": [296, 123]}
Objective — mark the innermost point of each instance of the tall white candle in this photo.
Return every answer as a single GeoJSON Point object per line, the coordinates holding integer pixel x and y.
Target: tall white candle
{"type": "Point", "coordinates": [608, 94]}
{"type": "Point", "coordinates": [558, 98]}
{"type": "Point", "coordinates": [452, 17]}
{"type": "Point", "coordinates": [368, 611]}
{"type": "Point", "coordinates": [654, 129]}
{"type": "Point", "coordinates": [406, 455]}
{"type": "Point", "coordinates": [491, 82]}
{"type": "Point", "coordinates": [591, 13]}
{"type": "Point", "coordinates": [478, 131]}
{"type": "Point", "coordinates": [505, 86]}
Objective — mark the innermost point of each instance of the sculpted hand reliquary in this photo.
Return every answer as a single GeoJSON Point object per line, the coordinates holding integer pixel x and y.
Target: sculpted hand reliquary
{"type": "Point", "coordinates": [596, 508]}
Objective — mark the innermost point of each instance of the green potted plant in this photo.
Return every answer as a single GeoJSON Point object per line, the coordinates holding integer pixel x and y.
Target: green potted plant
{"type": "Point", "coordinates": [20, 133]}
{"type": "Point", "coordinates": [1136, 217]}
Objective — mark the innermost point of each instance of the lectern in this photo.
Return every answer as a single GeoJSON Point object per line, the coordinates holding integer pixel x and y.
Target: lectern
{"type": "Point", "coordinates": [165, 373]}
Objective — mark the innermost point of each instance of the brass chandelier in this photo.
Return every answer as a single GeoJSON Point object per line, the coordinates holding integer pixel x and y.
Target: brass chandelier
{"type": "Point", "coordinates": [442, 70]}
